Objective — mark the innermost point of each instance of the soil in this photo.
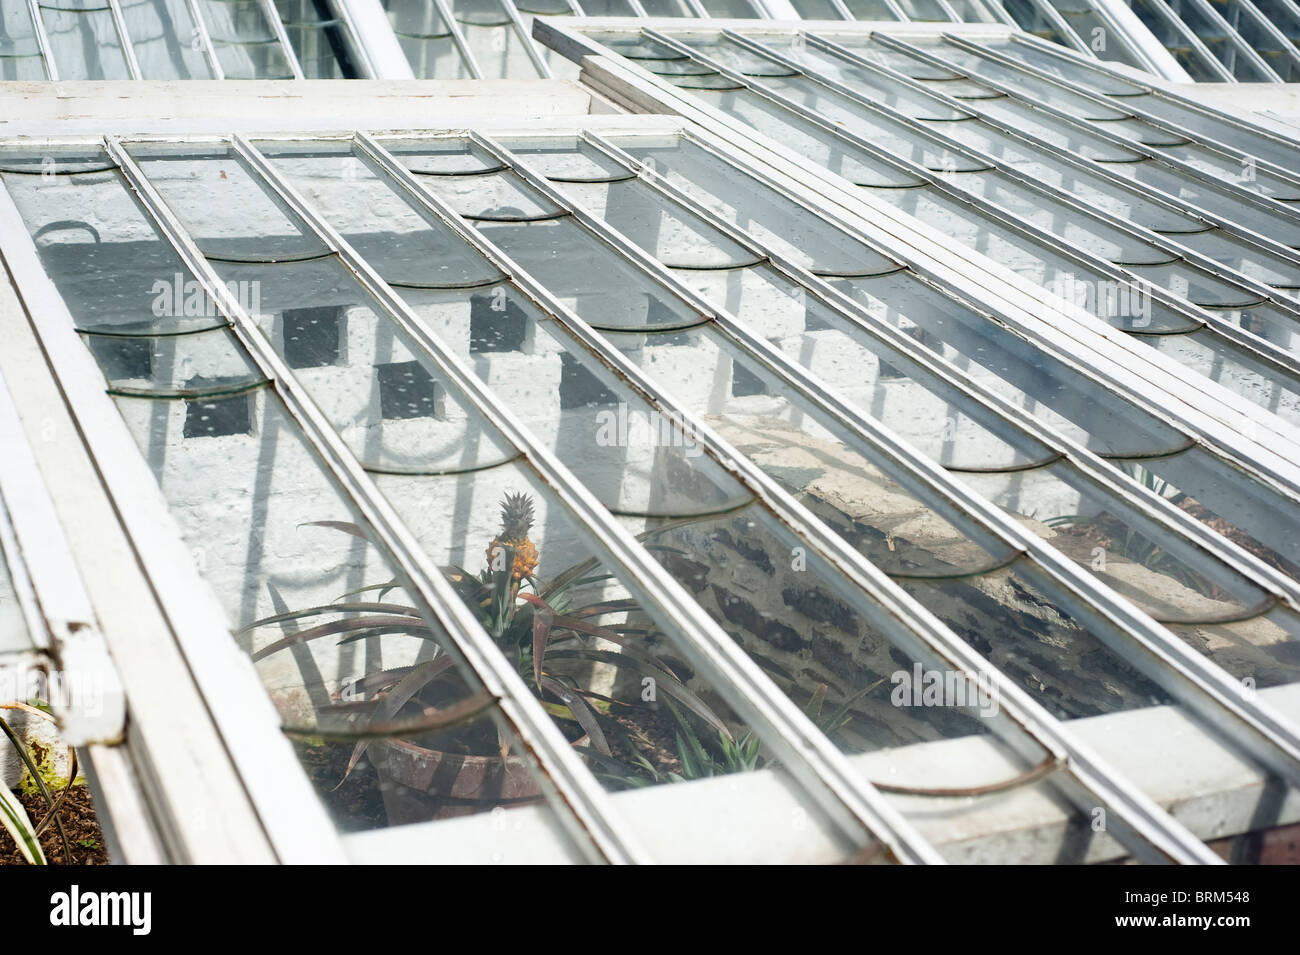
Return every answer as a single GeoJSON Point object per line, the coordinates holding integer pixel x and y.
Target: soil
{"type": "Point", "coordinates": [1108, 532]}
{"type": "Point", "coordinates": [1218, 524]}
{"type": "Point", "coordinates": [357, 803]}
{"type": "Point", "coordinates": [84, 835]}
{"type": "Point", "coordinates": [653, 734]}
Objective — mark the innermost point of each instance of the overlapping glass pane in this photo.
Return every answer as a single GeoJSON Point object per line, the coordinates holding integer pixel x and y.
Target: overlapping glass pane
{"type": "Point", "coordinates": [881, 117]}
{"type": "Point", "coordinates": [1057, 394]}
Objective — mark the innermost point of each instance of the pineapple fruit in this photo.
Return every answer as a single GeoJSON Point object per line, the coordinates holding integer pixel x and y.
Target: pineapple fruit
{"type": "Point", "coordinates": [516, 522]}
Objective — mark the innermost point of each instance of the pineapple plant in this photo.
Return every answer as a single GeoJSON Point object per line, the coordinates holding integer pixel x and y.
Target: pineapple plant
{"type": "Point", "coordinates": [418, 717]}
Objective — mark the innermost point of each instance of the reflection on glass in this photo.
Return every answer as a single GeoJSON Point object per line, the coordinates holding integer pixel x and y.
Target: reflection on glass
{"type": "Point", "coordinates": [564, 158]}
{"type": "Point", "coordinates": [84, 42]}
{"type": "Point", "coordinates": [245, 41]}
{"type": "Point", "coordinates": [491, 35]}
{"type": "Point", "coordinates": [116, 280]}
{"type": "Point", "coordinates": [322, 43]}
{"type": "Point", "coordinates": [207, 363]}
{"type": "Point", "coordinates": [14, 635]}
{"type": "Point", "coordinates": [165, 39]}
{"type": "Point", "coordinates": [594, 281]}
{"type": "Point", "coordinates": [426, 39]}
{"type": "Point", "coordinates": [1099, 532]}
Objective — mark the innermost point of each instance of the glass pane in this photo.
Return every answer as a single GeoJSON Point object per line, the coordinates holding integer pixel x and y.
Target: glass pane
{"type": "Point", "coordinates": [1081, 17]}
{"type": "Point", "coordinates": [324, 616]}
{"type": "Point", "coordinates": [426, 39]}
{"type": "Point", "coordinates": [1022, 117]}
{"type": "Point", "coordinates": [491, 36]}
{"type": "Point", "coordinates": [905, 397]}
{"type": "Point", "coordinates": [883, 517]}
{"type": "Point", "coordinates": [114, 281]}
{"type": "Point", "coordinates": [271, 539]}
{"type": "Point", "coordinates": [666, 8]}
{"type": "Point", "coordinates": [876, 87]}
{"type": "Point", "coordinates": [1228, 168]}
{"type": "Point", "coordinates": [566, 159]}
{"type": "Point", "coordinates": [1281, 272]}
{"type": "Point", "coordinates": [816, 10]}
{"type": "Point", "coordinates": [1239, 506]}
{"type": "Point", "coordinates": [14, 635]}
{"type": "Point", "coordinates": [1014, 368]}
{"type": "Point", "coordinates": [779, 223]}
{"type": "Point", "coordinates": [974, 11]}
{"type": "Point", "coordinates": [84, 43]}
{"type": "Point", "coordinates": [1265, 321]}
{"type": "Point", "coordinates": [166, 40]}
{"type": "Point", "coordinates": [856, 165]}
{"type": "Point", "coordinates": [882, 131]}
{"type": "Point", "coordinates": [870, 10]}
{"type": "Point", "coordinates": [1196, 284]}
{"type": "Point", "coordinates": [206, 181]}
{"type": "Point", "coordinates": [1221, 199]}
{"type": "Point", "coordinates": [17, 32]}
{"type": "Point", "coordinates": [925, 10]}
{"type": "Point", "coordinates": [434, 58]}
{"type": "Point", "coordinates": [608, 8]}
{"type": "Point", "coordinates": [690, 548]}
{"type": "Point", "coordinates": [389, 402]}
{"type": "Point", "coordinates": [1118, 302]}
{"type": "Point", "coordinates": [1075, 228]}
{"type": "Point", "coordinates": [679, 238]}
{"type": "Point", "coordinates": [170, 366]}
{"type": "Point", "coordinates": [286, 556]}
{"type": "Point", "coordinates": [726, 54]}
{"type": "Point", "coordinates": [595, 282]}
{"type": "Point", "coordinates": [1040, 383]}
{"type": "Point", "coordinates": [1020, 624]}
{"type": "Point", "coordinates": [1113, 199]}
{"type": "Point", "coordinates": [1177, 39]}
{"type": "Point", "coordinates": [23, 68]}
{"type": "Point", "coordinates": [1099, 532]}
{"type": "Point", "coordinates": [245, 41]}
{"type": "Point", "coordinates": [1031, 18]}
{"type": "Point", "coordinates": [322, 43]}
{"type": "Point", "coordinates": [1066, 68]}
{"type": "Point", "coordinates": [729, 9]}
{"type": "Point", "coordinates": [406, 247]}
{"type": "Point", "coordinates": [495, 197]}
{"type": "Point", "coordinates": [977, 67]}
{"type": "Point", "coordinates": [1236, 368]}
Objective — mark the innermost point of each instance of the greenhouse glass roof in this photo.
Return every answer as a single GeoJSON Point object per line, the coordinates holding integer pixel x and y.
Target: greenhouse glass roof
{"type": "Point", "coordinates": [799, 442]}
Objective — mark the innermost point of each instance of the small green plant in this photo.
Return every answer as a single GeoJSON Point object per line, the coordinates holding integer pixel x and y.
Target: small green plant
{"type": "Point", "coordinates": [19, 826]}
{"type": "Point", "coordinates": [12, 814]}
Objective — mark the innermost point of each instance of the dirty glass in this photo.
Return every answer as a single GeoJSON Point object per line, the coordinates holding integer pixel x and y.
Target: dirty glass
{"type": "Point", "coordinates": [14, 635]}
{"type": "Point", "coordinates": [427, 39]}
{"type": "Point", "coordinates": [164, 36]}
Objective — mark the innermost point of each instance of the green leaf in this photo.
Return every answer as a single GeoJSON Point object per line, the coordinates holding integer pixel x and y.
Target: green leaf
{"type": "Point", "coordinates": [331, 608]}
{"type": "Point", "coordinates": [431, 718]}
{"type": "Point", "coordinates": [39, 780]}
{"type": "Point", "coordinates": [410, 625]}
{"type": "Point", "coordinates": [581, 712]}
{"type": "Point", "coordinates": [692, 768]}
{"type": "Point", "coordinates": [19, 826]}
{"type": "Point", "coordinates": [395, 699]}
{"type": "Point", "coordinates": [663, 679]}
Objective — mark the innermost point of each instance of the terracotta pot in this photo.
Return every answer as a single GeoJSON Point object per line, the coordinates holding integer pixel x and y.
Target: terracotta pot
{"type": "Point", "coordinates": [418, 783]}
